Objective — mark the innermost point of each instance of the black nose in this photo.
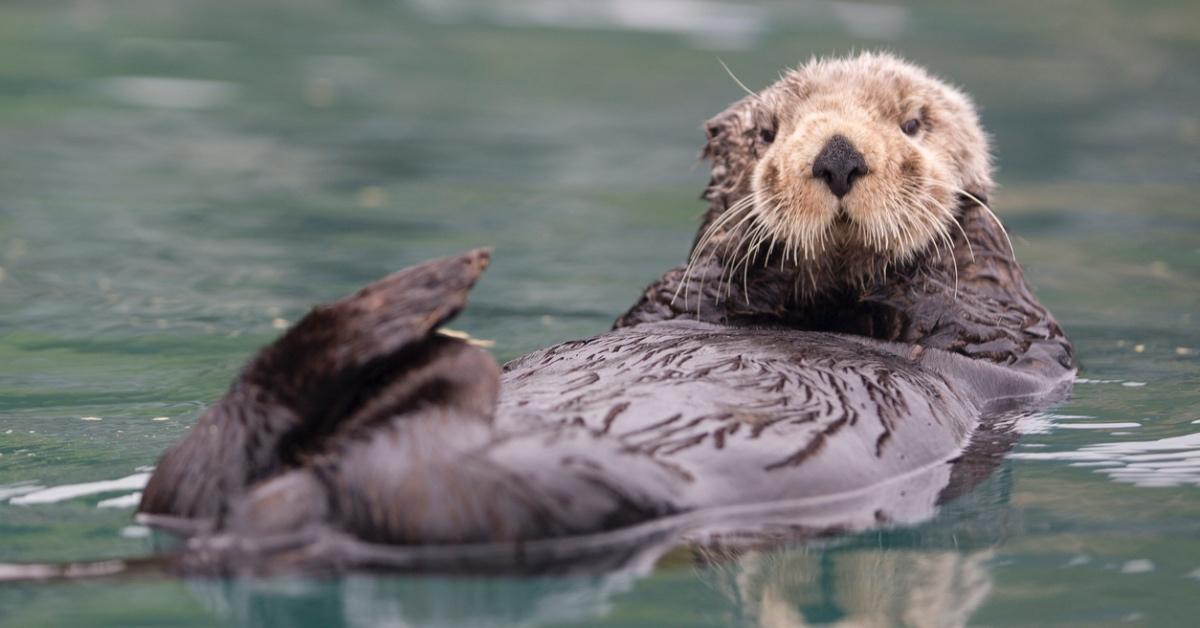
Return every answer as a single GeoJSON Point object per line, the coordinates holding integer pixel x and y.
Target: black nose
{"type": "Point", "coordinates": [839, 163]}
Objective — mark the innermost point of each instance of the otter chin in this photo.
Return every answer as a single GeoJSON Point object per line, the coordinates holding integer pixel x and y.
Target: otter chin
{"type": "Point", "coordinates": [838, 172]}
{"type": "Point", "coordinates": [850, 316]}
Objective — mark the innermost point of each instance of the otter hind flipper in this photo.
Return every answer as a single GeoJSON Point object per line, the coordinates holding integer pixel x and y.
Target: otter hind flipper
{"type": "Point", "coordinates": [383, 474]}
{"type": "Point", "coordinates": [344, 364]}
{"type": "Point", "coordinates": [386, 317]}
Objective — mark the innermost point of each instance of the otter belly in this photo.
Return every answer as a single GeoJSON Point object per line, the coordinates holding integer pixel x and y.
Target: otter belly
{"type": "Point", "coordinates": [728, 416]}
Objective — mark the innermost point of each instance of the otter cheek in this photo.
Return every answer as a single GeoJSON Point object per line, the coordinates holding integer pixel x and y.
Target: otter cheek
{"type": "Point", "coordinates": [922, 176]}
{"type": "Point", "coordinates": [767, 188]}
{"type": "Point", "coordinates": [768, 179]}
{"type": "Point", "coordinates": [938, 182]}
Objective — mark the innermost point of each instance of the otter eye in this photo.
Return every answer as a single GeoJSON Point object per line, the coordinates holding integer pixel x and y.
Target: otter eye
{"type": "Point", "coordinates": [910, 126]}
{"type": "Point", "coordinates": [766, 135]}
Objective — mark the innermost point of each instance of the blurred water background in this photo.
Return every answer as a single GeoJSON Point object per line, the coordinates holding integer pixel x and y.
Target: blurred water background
{"type": "Point", "coordinates": [181, 178]}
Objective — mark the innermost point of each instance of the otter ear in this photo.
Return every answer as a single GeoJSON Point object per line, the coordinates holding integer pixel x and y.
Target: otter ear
{"type": "Point", "coordinates": [730, 147]}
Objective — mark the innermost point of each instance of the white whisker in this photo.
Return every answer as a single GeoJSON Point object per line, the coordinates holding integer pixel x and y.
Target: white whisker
{"type": "Point", "coordinates": [738, 81]}
{"type": "Point", "coordinates": [995, 219]}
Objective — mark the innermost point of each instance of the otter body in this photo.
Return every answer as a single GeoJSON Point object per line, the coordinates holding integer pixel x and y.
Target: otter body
{"type": "Point", "coordinates": [432, 445]}
{"type": "Point", "coordinates": [731, 416]}
{"type": "Point", "coordinates": [850, 316]}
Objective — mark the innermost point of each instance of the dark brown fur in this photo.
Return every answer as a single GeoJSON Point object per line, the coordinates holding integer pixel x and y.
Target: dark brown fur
{"type": "Point", "coordinates": [993, 316]}
{"type": "Point", "coordinates": [362, 429]}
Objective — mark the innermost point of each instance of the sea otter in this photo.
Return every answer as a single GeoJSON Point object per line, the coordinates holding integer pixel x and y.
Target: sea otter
{"type": "Point", "coordinates": [850, 312]}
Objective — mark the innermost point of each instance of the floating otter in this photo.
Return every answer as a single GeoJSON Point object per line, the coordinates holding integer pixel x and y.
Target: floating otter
{"type": "Point", "coordinates": [850, 311]}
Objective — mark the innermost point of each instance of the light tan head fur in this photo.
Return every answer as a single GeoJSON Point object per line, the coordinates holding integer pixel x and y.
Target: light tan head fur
{"type": "Point", "coordinates": [769, 207]}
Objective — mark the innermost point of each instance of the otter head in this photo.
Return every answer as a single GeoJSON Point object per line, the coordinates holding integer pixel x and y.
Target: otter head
{"type": "Point", "coordinates": [840, 170]}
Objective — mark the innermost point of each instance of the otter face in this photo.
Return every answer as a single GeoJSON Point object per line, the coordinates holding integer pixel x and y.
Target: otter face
{"type": "Point", "coordinates": [844, 167]}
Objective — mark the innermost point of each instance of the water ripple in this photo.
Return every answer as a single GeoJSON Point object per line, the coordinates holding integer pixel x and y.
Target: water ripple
{"type": "Point", "coordinates": [72, 491]}
{"type": "Point", "coordinates": [1173, 461]}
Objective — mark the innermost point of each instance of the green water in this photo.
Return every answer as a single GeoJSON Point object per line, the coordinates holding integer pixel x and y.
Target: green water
{"type": "Point", "coordinates": [175, 175]}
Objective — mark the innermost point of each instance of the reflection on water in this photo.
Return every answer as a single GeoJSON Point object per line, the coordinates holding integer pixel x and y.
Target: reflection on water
{"type": "Point", "coordinates": [182, 178]}
{"type": "Point", "coordinates": [839, 587]}
{"type": "Point", "coordinates": [396, 601]}
{"type": "Point", "coordinates": [1173, 461]}
{"type": "Point", "coordinates": [915, 588]}
{"type": "Point", "coordinates": [938, 577]}
{"type": "Point", "coordinates": [878, 578]}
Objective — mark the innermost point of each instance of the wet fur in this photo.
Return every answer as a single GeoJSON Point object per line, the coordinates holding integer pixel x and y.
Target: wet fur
{"type": "Point", "coordinates": [362, 428]}
{"type": "Point", "coordinates": [953, 285]}
{"type": "Point", "coordinates": [768, 210]}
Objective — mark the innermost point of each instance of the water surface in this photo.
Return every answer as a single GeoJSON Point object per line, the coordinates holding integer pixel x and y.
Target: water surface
{"type": "Point", "coordinates": [181, 178]}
